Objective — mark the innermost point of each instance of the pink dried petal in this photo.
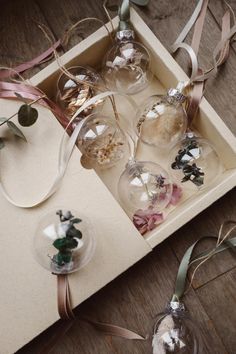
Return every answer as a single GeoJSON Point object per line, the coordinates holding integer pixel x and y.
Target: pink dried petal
{"type": "Point", "coordinates": [177, 193]}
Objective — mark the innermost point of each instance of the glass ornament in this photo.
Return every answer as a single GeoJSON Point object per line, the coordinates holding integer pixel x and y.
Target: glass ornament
{"type": "Point", "coordinates": [161, 120]}
{"type": "Point", "coordinates": [176, 333]}
{"type": "Point", "coordinates": [144, 185]}
{"type": "Point", "coordinates": [64, 241]}
{"type": "Point", "coordinates": [102, 140]}
{"type": "Point", "coordinates": [127, 65]}
{"type": "Point", "coordinates": [194, 162]}
{"type": "Point", "coordinates": [72, 94]}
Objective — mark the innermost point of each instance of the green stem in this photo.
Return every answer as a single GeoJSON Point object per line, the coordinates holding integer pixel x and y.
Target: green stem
{"type": "Point", "coordinates": [15, 114]}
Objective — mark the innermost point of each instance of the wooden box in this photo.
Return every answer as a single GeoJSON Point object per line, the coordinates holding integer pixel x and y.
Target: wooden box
{"type": "Point", "coordinates": [28, 297]}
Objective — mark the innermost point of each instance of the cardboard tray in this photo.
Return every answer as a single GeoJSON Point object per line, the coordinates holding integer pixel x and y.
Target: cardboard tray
{"type": "Point", "coordinates": [28, 297]}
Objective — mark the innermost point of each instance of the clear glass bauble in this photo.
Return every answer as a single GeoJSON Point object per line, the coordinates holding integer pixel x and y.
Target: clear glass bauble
{"type": "Point", "coordinates": [72, 94]}
{"type": "Point", "coordinates": [160, 122]}
{"type": "Point", "coordinates": [194, 163]}
{"type": "Point", "coordinates": [64, 241]}
{"type": "Point", "coordinates": [144, 185]}
{"type": "Point", "coordinates": [176, 333]}
{"type": "Point", "coordinates": [102, 140]}
{"type": "Point", "coordinates": [127, 67]}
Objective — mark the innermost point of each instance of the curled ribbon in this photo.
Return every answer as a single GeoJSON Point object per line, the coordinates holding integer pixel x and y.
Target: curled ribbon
{"type": "Point", "coordinates": [220, 54]}
{"type": "Point", "coordinates": [65, 152]}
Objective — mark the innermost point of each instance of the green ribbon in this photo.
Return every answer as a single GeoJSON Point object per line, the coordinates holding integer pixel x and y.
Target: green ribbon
{"type": "Point", "coordinates": [124, 12]}
{"type": "Point", "coordinates": [187, 259]}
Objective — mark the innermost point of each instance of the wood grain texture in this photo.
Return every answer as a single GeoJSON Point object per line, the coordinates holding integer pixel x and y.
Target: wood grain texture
{"type": "Point", "coordinates": [218, 299]}
{"type": "Point", "coordinates": [21, 39]}
{"type": "Point", "coordinates": [137, 296]}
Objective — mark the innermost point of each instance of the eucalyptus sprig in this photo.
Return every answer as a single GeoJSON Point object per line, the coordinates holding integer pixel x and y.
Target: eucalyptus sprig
{"type": "Point", "coordinates": [27, 116]}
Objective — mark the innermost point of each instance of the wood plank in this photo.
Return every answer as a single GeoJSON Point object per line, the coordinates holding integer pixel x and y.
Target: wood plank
{"type": "Point", "coordinates": [138, 295]}
{"type": "Point", "coordinates": [21, 39]}
{"type": "Point", "coordinates": [133, 300]}
{"type": "Point", "coordinates": [63, 14]}
{"type": "Point", "coordinates": [218, 8]}
{"type": "Point", "coordinates": [218, 299]}
{"type": "Point", "coordinates": [207, 223]}
{"type": "Point", "coordinates": [220, 90]}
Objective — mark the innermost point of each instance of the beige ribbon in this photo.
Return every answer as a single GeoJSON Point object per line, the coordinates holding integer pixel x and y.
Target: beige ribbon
{"type": "Point", "coordinates": [65, 150]}
{"type": "Point", "coordinates": [220, 54]}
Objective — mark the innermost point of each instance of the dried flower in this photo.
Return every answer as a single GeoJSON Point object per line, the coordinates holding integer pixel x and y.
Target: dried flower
{"type": "Point", "coordinates": [147, 220]}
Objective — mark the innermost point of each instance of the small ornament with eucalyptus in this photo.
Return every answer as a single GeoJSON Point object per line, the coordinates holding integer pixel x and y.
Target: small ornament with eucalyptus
{"type": "Point", "coordinates": [194, 162]}
{"type": "Point", "coordinates": [63, 242]}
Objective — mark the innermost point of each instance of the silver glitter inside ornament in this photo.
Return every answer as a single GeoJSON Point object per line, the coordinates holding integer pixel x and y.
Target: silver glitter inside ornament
{"type": "Point", "coordinates": [161, 120]}
{"type": "Point", "coordinates": [176, 333]}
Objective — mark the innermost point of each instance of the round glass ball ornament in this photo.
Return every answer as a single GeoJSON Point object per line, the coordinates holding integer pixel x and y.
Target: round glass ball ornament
{"type": "Point", "coordinates": [64, 241]}
{"type": "Point", "coordinates": [194, 162]}
{"type": "Point", "coordinates": [176, 333]}
{"type": "Point", "coordinates": [127, 65]}
{"type": "Point", "coordinates": [74, 91]}
{"type": "Point", "coordinates": [161, 120]}
{"type": "Point", "coordinates": [144, 185]}
{"type": "Point", "coordinates": [102, 140]}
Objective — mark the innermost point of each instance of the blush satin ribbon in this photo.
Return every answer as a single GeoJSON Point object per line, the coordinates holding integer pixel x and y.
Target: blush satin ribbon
{"type": "Point", "coordinates": [220, 54]}
{"type": "Point", "coordinates": [42, 58]}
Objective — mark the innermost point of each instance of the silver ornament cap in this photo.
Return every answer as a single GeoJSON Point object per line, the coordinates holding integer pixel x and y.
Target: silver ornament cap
{"type": "Point", "coordinates": [125, 35]}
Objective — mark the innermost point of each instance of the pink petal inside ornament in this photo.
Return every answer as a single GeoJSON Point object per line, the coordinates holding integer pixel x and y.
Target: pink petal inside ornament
{"type": "Point", "coordinates": [147, 220]}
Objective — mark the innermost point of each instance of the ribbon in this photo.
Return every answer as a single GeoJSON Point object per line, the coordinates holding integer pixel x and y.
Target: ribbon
{"type": "Point", "coordinates": [220, 54]}
{"type": "Point", "coordinates": [187, 260]}
{"type": "Point", "coordinates": [8, 89]}
{"type": "Point", "coordinates": [65, 152]}
{"type": "Point", "coordinates": [42, 58]}
{"type": "Point", "coordinates": [124, 12]}
{"type": "Point", "coordinates": [64, 304]}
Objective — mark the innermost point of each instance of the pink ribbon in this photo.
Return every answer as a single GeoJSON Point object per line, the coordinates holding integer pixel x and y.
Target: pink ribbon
{"type": "Point", "coordinates": [42, 58]}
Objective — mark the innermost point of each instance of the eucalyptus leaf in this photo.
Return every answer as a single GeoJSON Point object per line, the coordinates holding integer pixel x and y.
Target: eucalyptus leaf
{"type": "Point", "coordinates": [21, 97]}
{"type": "Point", "coordinates": [27, 115]}
{"type": "Point", "coordinates": [62, 258]}
{"type": "Point", "coordinates": [16, 131]}
{"type": "Point", "coordinates": [75, 221]}
{"type": "Point", "coordinates": [2, 144]}
{"type": "Point", "coordinates": [63, 244]}
{"type": "Point", "coordinates": [73, 232]}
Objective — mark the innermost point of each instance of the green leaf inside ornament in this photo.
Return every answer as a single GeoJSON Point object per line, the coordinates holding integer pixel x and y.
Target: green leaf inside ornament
{"type": "Point", "coordinates": [63, 244]}
{"type": "Point", "coordinates": [27, 115]}
{"type": "Point", "coordinates": [62, 258]}
{"type": "Point", "coordinates": [73, 232]}
{"type": "Point", "coordinates": [3, 119]}
{"type": "Point", "coordinates": [75, 221]}
{"type": "Point", "coordinates": [16, 131]}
